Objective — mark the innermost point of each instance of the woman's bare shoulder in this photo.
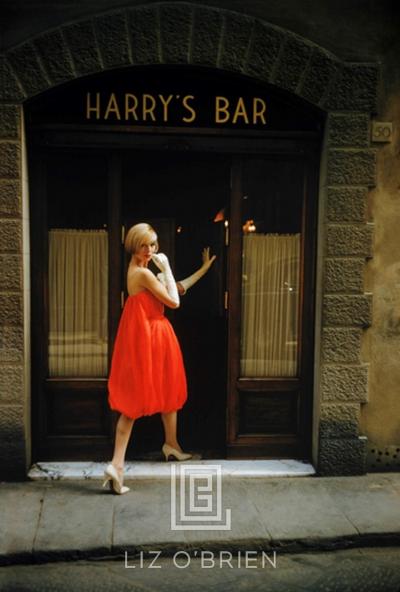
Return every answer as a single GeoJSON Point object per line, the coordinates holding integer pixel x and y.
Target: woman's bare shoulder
{"type": "Point", "coordinates": [140, 272]}
{"type": "Point", "coordinates": [138, 279]}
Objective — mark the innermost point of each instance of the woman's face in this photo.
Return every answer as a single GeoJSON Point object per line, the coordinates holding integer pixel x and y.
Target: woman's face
{"type": "Point", "coordinates": [147, 248]}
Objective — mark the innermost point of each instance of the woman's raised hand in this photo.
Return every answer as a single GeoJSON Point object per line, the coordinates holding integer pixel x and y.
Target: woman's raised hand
{"type": "Point", "coordinates": [192, 279]}
{"type": "Point", "coordinates": [161, 260]}
{"type": "Point", "coordinates": [166, 278]}
{"type": "Point", "coordinates": [207, 260]}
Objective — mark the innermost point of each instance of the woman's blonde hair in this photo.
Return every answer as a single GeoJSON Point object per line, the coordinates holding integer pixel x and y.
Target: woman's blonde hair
{"type": "Point", "coordinates": [136, 234]}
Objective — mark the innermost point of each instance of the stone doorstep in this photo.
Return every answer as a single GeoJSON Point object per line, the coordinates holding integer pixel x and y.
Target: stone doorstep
{"type": "Point", "coordinates": [162, 470]}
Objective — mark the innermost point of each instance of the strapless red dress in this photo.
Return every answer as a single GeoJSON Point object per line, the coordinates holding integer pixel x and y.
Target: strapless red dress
{"type": "Point", "coordinates": [147, 373]}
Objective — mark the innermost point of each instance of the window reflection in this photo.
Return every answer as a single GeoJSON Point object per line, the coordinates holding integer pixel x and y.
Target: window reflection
{"type": "Point", "coordinates": [271, 259]}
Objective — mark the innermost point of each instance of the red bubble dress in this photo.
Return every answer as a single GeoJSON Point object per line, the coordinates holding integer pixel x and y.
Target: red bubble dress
{"type": "Point", "coordinates": [147, 372]}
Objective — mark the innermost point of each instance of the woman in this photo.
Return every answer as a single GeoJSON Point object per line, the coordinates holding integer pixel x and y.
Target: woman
{"type": "Point", "coordinates": [147, 372]}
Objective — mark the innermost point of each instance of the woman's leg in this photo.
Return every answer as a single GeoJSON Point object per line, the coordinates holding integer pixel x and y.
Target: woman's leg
{"type": "Point", "coordinates": [122, 433]}
{"type": "Point", "coordinates": [170, 421]}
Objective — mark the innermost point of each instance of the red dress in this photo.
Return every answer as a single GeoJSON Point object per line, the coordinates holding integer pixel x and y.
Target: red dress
{"type": "Point", "coordinates": [147, 372]}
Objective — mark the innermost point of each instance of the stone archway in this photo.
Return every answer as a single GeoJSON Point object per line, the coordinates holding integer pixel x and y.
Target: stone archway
{"type": "Point", "coordinates": [183, 33]}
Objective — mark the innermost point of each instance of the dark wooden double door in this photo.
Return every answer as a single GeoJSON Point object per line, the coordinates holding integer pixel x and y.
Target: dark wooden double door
{"type": "Point", "coordinates": [211, 195]}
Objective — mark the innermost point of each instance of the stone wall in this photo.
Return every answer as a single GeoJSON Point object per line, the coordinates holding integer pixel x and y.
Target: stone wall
{"type": "Point", "coordinates": [184, 33]}
{"type": "Point", "coordinates": [347, 309]}
{"type": "Point", "coordinates": [12, 378]}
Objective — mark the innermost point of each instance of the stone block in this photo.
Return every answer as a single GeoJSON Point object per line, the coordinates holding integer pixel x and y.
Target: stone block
{"type": "Point", "coordinates": [13, 458]}
{"type": "Point", "coordinates": [371, 505]}
{"type": "Point", "coordinates": [11, 344]}
{"type": "Point", "coordinates": [319, 76]}
{"type": "Point", "coordinates": [350, 310]}
{"type": "Point", "coordinates": [112, 37]}
{"type": "Point", "coordinates": [9, 160]}
{"type": "Point", "coordinates": [276, 505]}
{"type": "Point", "coordinates": [355, 89]}
{"type": "Point", "coordinates": [28, 69]}
{"type": "Point", "coordinates": [348, 130]}
{"type": "Point", "coordinates": [344, 275]}
{"type": "Point", "coordinates": [346, 204]}
{"type": "Point", "coordinates": [144, 28]}
{"type": "Point", "coordinates": [9, 121]}
{"type": "Point", "coordinates": [10, 198]}
{"type": "Point", "coordinates": [10, 236]}
{"type": "Point", "coordinates": [235, 41]}
{"type": "Point", "coordinates": [342, 456]}
{"type": "Point", "coordinates": [264, 49]}
{"type": "Point", "coordinates": [11, 423]}
{"type": "Point", "coordinates": [20, 506]}
{"type": "Point", "coordinates": [341, 345]}
{"type": "Point", "coordinates": [90, 525]}
{"type": "Point", "coordinates": [339, 420]}
{"type": "Point", "coordinates": [55, 56]}
{"type": "Point", "coordinates": [175, 32]}
{"type": "Point", "coordinates": [292, 62]}
{"type": "Point", "coordinates": [10, 90]}
{"type": "Point", "coordinates": [342, 383]}
{"type": "Point", "coordinates": [11, 309]}
{"type": "Point", "coordinates": [349, 239]}
{"type": "Point", "coordinates": [351, 167]}
{"type": "Point", "coordinates": [83, 47]}
{"type": "Point", "coordinates": [10, 272]}
{"type": "Point", "coordinates": [11, 384]}
{"type": "Point", "coordinates": [207, 27]}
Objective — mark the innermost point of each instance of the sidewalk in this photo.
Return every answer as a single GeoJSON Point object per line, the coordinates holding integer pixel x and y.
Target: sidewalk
{"type": "Point", "coordinates": [46, 520]}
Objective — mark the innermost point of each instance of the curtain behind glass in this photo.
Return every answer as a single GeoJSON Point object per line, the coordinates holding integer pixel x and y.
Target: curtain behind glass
{"type": "Point", "coordinates": [270, 305]}
{"type": "Point", "coordinates": [78, 302]}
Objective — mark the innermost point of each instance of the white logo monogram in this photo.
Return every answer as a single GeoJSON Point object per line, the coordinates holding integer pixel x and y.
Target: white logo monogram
{"type": "Point", "coordinates": [196, 498]}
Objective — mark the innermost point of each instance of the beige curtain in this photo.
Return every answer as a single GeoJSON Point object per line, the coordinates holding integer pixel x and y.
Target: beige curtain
{"type": "Point", "coordinates": [78, 302]}
{"type": "Point", "coordinates": [270, 305]}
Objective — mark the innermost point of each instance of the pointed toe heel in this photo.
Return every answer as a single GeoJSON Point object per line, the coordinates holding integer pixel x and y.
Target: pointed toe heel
{"type": "Point", "coordinates": [169, 451]}
{"type": "Point", "coordinates": [111, 476]}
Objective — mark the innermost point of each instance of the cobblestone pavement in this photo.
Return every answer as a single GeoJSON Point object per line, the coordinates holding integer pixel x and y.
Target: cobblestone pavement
{"type": "Point", "coordinates": [354, 570]}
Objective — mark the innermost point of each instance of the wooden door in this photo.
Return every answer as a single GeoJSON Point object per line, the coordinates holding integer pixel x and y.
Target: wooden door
{"type": "Point", "coordinates": [72, 322]}
{"type": "Point", "coordinates": [181, 195]}
{"type": "Point", "coordinates": [271, 302]}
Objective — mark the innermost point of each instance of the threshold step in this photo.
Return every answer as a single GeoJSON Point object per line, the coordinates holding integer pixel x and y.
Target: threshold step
{"type": "Point", "coordinates": [159, 469]}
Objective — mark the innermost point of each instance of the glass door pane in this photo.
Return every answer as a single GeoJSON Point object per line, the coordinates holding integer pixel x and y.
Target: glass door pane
{"type": "Point", "coordinates": [271, 268]}
{"type": "Point", "coordinates": [78, 267]}
{"type": "Point", "coordinates": [78, 302]}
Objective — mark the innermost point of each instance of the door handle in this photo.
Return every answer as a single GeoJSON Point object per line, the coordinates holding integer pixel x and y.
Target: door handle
{"type": "Point", "coordinates": [226, 299]}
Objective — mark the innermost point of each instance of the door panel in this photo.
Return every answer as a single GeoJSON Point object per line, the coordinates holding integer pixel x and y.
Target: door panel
{"type": "Point", "coordinates": [70, 306]}
{"type": "Point", "coordinates": [270, 293]}
{"type": "Point", "coordinates": [180, 195]}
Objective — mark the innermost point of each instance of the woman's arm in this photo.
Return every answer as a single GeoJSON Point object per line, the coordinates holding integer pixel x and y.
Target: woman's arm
{"type": "Point", "coordinates": [148, 280]}
{"type": "Point", "coordinates": [192, 279]}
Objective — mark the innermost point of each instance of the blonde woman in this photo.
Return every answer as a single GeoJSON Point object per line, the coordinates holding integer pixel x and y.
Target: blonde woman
{"type": "Point", "coordinates": [147, 372]}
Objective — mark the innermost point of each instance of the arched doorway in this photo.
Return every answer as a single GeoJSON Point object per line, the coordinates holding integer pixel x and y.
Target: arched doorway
{"type": "Point", "coordinates": [211, 159]}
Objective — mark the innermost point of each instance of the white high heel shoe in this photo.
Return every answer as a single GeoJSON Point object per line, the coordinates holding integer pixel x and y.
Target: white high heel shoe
{"type": "Point", "coordinates": [170, 451]}
{"type": "Point", "coordinates": [111, 476]}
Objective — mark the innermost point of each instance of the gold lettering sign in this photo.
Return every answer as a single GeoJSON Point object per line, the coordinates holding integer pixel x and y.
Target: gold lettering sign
{"type": "Point", "coordinates": [158, 108]}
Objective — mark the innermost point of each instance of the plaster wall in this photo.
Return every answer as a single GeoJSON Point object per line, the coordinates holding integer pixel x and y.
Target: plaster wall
{"type": "Point", "coordinates": [380, 417]}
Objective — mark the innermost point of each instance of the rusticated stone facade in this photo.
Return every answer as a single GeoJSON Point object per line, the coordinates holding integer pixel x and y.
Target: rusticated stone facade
{"type": "Point", "coordinates": [186, 33]}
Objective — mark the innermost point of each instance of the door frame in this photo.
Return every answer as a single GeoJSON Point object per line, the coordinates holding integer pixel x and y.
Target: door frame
{"type": "Point", "coordinates": [43, 139]}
